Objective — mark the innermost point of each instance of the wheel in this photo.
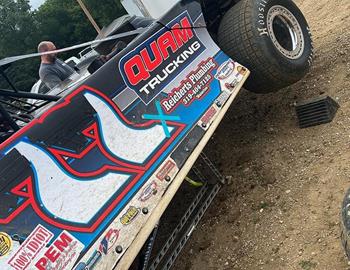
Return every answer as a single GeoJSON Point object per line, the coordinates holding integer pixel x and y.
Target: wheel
{"type": "Point", "coordinates": [345, 224]}
{"type": "Point", "coordinates": [271, 38]}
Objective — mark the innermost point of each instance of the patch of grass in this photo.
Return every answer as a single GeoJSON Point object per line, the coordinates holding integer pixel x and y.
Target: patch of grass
{"type": "Point", "coordinates": [307, 265]}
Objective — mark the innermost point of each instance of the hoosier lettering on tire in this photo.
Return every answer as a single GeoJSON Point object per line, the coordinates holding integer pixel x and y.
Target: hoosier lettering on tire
{"type": "Point", "coordinates": [271, 38]}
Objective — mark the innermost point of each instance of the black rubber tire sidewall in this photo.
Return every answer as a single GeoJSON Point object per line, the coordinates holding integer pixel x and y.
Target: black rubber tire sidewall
{"type": "Point", "coordinates": [297, 65]}
{"type": "Point", "coordinates": [270, 69]}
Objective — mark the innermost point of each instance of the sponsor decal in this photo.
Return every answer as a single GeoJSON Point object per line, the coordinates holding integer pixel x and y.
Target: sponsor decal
{"type": "Point", "coordinates": [30, 248]}
{"type": "Point", "coordinates": [108, 241]}
{"type": "Point", "coordinates": [238, 75]}
{"type": "Point", "coordinates": [130, 215]}
{"type": "Point", "coordinates": [241, 70]}
{"type": "Point", "coordinates": [62, 254]}
{"type": "Point", "coordinates": [230, 86]}
{"type": "Point", "coordinates": [5, 244]}
{"type": "Point", "coordinates": [195, 86]}
{"type": "Point", "coordinates": [91, 263]}
{"type": "Point", "coordinates": [151, 66]}
{"type": "Point", "coordinates": [81, 266]}
{"type": "Point", "coordinates": [225, 70]}
{"type": "Point", "coordinates": [208, 116]}
{"type": "Point", "coordinates": [222, 98]}
{"type": "Point", "coordinates": [148, 191]}
{"type": "Point", "coordinates": [94, 259]}
{"type": "Point", "coordinates": [164, 171]}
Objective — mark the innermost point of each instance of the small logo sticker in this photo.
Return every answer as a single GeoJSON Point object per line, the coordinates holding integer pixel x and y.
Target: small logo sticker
{"type": "Point", "coordinates": [241, 70]}
{"type": "Point", "coordinates": [151, 67]}
{"type": "Point", "coordinates": [208, 116]}
{"type": "Point", "coordinates": [62, 254]}
{"type": "Point", "coordinates": [164, 171]}
{"type": "Point", "coordinates": [130, 215]}
{"type": "Point", "coordinates": [5, 244]}
{"type": "Point", "coordinates": [148, 191]}
{"type": "Point", "coordinates": [91, 263]}
{"type": "Point", "coordinates": [108, 241]}
{"type": "Point", "coordinates": [225, 70]}
{"type": "Point", "coordinates": [94, 259]}
{"type": "Point", "coordinates": [31, 247]}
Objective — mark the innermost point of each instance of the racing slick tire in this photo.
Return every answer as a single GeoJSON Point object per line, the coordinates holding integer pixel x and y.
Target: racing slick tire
{"type": "Point", "coordinates": [345, 224]}
{"type": "Point", "coordinates": [269, 37]}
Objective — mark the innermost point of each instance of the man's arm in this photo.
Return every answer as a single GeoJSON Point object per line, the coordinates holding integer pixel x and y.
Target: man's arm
{"type": "Point", "coordinates": [51, 80]}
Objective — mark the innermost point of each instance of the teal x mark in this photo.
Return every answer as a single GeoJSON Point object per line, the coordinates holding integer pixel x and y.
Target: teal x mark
{"type": "Point", "coordinates": [162, 118]}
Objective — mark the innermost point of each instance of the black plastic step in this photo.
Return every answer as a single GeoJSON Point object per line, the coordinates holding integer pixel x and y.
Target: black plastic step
{"type": "Point", "coordinates": [316, 111]}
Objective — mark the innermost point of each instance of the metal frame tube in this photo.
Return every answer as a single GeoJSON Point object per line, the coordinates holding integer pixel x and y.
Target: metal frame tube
{"type": "Point", "coordinates": [20, 94]}
{"type": "Point", "coordinates": [8, 117]}
{"type": "Point", "coordinates": [8, 80]}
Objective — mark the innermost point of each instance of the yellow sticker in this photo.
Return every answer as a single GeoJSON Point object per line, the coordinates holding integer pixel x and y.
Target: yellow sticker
{"type": "Point", "coordinates": [5, 244]}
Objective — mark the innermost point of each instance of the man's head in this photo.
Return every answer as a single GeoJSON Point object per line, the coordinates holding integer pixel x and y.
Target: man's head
{"type": "Point", "coordinates": [46, 46]}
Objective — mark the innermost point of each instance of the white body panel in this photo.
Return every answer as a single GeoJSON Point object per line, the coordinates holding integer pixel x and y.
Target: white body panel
{"type": "Point", "coordinates": [148, 8]}
{"type": "Point", "coordinates": [51, 182]}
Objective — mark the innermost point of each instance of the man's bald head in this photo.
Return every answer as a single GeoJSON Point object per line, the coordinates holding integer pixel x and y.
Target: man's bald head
{"type": "Point", "coordinates": [46, 46]}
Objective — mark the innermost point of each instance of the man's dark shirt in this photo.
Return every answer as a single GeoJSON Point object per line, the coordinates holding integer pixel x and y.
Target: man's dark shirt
{"type": "Point", "coordinates": [54, 74]}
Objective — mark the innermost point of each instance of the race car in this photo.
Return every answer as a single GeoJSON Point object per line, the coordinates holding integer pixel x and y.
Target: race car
{"type": "Point", "coordinates": [86, 181]}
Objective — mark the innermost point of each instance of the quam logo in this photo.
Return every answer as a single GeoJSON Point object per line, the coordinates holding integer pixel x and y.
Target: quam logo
{"type": "Point", "coordinates": [158, 60]}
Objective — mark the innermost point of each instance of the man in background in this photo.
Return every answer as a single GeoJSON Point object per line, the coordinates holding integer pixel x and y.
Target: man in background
{"type": "Point", "coordinates": [52, 70]}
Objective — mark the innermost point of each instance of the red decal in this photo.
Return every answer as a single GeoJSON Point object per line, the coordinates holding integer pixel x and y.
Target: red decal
{"type": "Point", "coordinates": [164, 171]}
{"type": "Point", "coordinates": [183, 32]}
{"type": "Point", "coordinates": [138, 68]}
{"type": "Point", "coordinates": [108, 241]}
{"type": "Point", "coordinates": [30, 248]}
{"type": "Point", "coordinates": [208, 116]}
{"type": "Point", "coordinates": [152, 64]}
{"type": "Point", "coordinates": [61, 254]}
{"type": "Point", "coordinates": [166, 42]}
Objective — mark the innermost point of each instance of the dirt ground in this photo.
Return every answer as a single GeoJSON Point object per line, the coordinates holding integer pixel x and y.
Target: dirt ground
{"type": "Point", "coordinates": [283, 209]}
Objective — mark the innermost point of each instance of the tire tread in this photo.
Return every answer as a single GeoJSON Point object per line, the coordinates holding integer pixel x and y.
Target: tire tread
{"type": "Point", "coordinates": [236, 38]}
